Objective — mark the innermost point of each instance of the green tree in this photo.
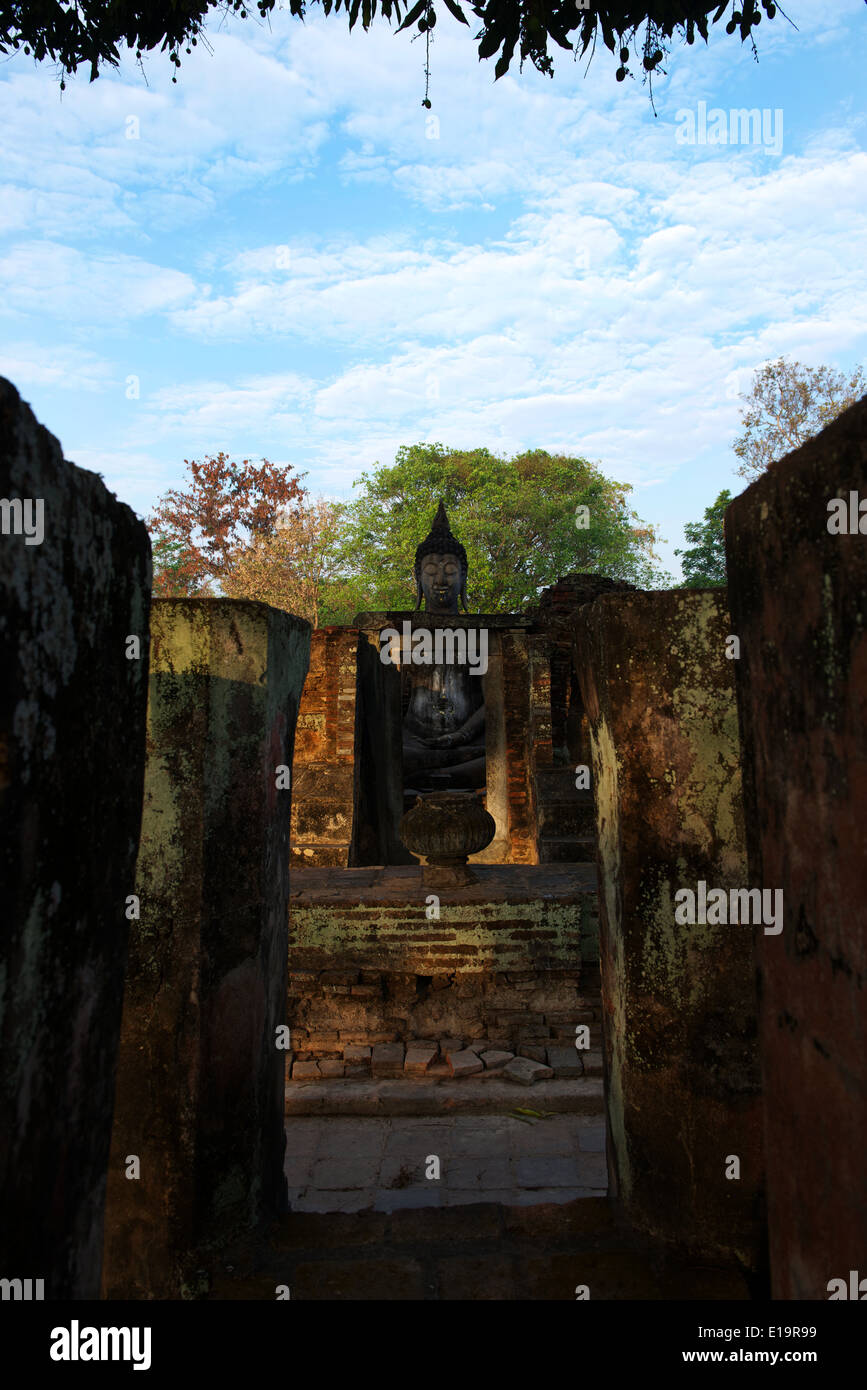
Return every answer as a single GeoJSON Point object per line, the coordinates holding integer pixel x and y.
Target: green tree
{"type": "Point", "coordinates": [91, 32]}
{"type": "Point", "coordinates": [172, 573]}
{"type": "Point", "coordinates": [704, 561]}
{"type": "Point", "coordinates": [518, 520]}
{"type": "Point", "coordinates": [786, 405]}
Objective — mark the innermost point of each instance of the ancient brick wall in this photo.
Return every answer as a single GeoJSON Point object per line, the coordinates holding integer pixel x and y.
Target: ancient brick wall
{"type": "Point", "coordinates": [510, 963]}
{"type": "Point", "coordinates": [323, 772]}
{"type": "Point", "coordinates": [798, 595]}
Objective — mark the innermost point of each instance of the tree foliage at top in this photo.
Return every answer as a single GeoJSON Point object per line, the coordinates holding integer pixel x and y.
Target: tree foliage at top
{"type": "Point", "coordinates": [91, 32]}
{"type": "Point", "coordinates": [517, 519]}
{"type": "Point", "coordinates": [704, 560]}
{"type": "Point", "coordinates": [786, 405]}
{"type": "Point", "coordinates": [197, 531]}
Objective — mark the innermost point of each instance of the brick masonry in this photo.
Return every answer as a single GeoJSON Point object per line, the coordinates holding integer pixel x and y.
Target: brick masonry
{"type": "Point", "coordinates": [798, 595]}
{"type": "Point", "coordinates": [491, 971]}
{"type": "Point", "coordinates": [323, 769]}
{"type": "Point", "coordinates": [348, 794]}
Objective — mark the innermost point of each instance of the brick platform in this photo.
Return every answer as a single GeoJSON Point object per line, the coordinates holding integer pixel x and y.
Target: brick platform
{"type": "Point", "coordinates": [509, 965]}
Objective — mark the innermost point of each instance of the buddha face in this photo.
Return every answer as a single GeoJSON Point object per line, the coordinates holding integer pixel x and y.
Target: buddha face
{"type": "Point", "coordinates": [441, 577]}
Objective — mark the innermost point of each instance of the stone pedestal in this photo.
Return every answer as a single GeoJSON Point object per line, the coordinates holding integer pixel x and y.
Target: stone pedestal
{"type": "Point", "coordinates": [200, 1075]}
{"type": "Point", "coordinates": [73, 687]}
{"type": "Point", "coordinates": [799, 598]}
{"type": "Point", "coordinates": [679, 1012]}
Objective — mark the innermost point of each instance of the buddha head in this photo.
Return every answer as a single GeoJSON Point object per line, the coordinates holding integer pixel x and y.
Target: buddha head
{"type": "Point", "coordinates": [441, 569]}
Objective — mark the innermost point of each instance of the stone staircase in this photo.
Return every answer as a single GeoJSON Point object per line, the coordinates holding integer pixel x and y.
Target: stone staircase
{"type": "Point", "coordinates": [567, 826]}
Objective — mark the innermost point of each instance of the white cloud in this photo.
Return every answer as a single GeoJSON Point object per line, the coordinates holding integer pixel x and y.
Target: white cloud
{"type": "Point", "coordinates": [70, 368]}
{"type": "Point", "coordinates": [44, 277]}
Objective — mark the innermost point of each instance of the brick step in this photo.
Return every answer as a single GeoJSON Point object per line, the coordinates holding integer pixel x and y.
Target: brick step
{"type": "Point", "coordinates": [433, 1096]}
{"type": "Point", "coordinates": [558, 783]}
{"type": "Point", "coordinates": [567, 850]}
{"type": "Point", "coordinates": [562, 818]}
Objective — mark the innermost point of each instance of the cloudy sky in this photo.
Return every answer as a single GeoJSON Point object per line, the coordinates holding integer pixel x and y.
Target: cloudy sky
{"type": "Point", "coordinates": [283, 255]}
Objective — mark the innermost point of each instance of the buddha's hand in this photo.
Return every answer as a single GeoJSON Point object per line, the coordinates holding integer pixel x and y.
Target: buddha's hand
{"type": "Point", "coordinates": [448, 740]}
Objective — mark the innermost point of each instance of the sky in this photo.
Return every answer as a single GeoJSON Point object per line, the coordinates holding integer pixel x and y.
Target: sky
{"type": "Point", "coordinates": [284, 255]}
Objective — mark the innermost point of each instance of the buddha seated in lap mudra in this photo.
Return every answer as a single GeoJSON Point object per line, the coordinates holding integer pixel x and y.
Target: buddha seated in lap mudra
{"type": "Point", "coordinates": [444, 724]}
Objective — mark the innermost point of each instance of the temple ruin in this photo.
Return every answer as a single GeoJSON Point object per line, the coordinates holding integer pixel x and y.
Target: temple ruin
{"type": "Point", "coordinates": [225, 932]}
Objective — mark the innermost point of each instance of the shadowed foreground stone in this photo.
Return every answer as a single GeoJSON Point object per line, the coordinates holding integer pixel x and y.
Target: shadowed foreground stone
{"type": "Point", "coordinates": [678, 1000]}
{"type": "Point", "coordinates": [200, 1077]}
{"type": "Point", "coordinates": [72, 719]}
{"type": "Point", "coordinates": [799, 599]}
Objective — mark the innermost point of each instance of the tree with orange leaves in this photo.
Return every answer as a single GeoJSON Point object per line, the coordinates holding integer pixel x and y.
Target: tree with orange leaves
{"type": "Point", "coordinates": [198, 531]}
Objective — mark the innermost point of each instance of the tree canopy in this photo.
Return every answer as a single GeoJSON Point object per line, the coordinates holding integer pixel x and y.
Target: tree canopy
{"type": "Point", "coordinates": [90, 33]}
{"type": "Point", "coordinates": [254, 532]}
{"type": "Point", "coordinates": [522, 521]}
{"type": "Point", "coordinates": [704, 560]}
{"type": "Point", "coordinates": [786, 405]}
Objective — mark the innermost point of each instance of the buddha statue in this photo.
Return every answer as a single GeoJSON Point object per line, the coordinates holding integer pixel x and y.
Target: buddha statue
{"type": "Point", "coordinates": [444, 724]}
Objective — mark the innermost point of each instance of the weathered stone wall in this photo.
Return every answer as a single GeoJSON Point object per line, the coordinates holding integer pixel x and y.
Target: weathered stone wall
{"type": "Point", "coordinates": [554, 616]}
{"type": "Point", "coordinates": [504, 960]}
{"type": "Point", "coordinates": [200, 1076]}
{"type": "Point", "coordinates": [679, 1012]}
{"type": "Point", "coordinates": [324, 786]}
{"type": "Point", "coordinates": [72, 719]}
{"type": "Point", "coordinates": [519, 1010]}
{"type": "Point", "coordinates": [799, 597]}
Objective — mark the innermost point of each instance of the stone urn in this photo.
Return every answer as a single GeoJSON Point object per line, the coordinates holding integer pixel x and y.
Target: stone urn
{"type": "Point", "coordinates": [445, 827]}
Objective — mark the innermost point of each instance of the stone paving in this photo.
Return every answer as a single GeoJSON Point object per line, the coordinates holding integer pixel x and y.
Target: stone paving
{"type": "Point", "coordinates": [352, 1164]}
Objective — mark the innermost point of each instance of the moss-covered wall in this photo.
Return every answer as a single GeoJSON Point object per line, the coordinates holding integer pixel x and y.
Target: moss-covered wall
{"type": "Point", "coordinates": [679, 1005]}
{"type": "Point", "coordinates": [73, 686]}
{"type": "Point", "coordinates": [199, 1088]}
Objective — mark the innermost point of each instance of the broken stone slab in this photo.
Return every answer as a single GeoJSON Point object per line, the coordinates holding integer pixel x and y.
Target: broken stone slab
{"type": "Point", "coordinates": [448, 1045]}
{"type": "Point", "coordinates": [331, 1066]}
{"type": "Point", "coordinates": [535, 1053]}
{"type": "Point", "coordinates": [525, 1071]}
{"type": "Point", "coordinates": [419, 1058]}
{"type": "Point", "coordinates": [566, 1062]}
{"type": "Point", "coordinates": [387, 1059]}
{"type": "Point", "coordinates": [75, 577]}
{"type": "Point", "coordinates": [305, 1071]}
{"type": "Point", "coordinates": [494, 1060]}
{"type": "Point", "coordinates": [465, 1063]}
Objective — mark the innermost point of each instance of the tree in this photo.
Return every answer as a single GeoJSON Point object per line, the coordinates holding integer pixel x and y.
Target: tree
{"type": "Point", "coordinates": [518, 519]}
{"type": "Point", "coordinates": [786, 405]}
{"type": "Point", "coordinates": [294, 566]}
{"type": "Point", "coordinates": [704, 562]}
{"type": "Point", "coordinates": [198, 530]}
{"type": "Point", "coordinates": [173, 575]}
{"type": "Point", "coordinates": [91, 32]}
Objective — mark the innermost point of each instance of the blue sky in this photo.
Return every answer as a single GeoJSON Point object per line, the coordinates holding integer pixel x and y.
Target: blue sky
{"type": "Point", "coordinates": [294, 262]}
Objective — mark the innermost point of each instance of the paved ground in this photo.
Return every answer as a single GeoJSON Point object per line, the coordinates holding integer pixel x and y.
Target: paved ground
{"type": "Point", "coordinates": [352, 1164]}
